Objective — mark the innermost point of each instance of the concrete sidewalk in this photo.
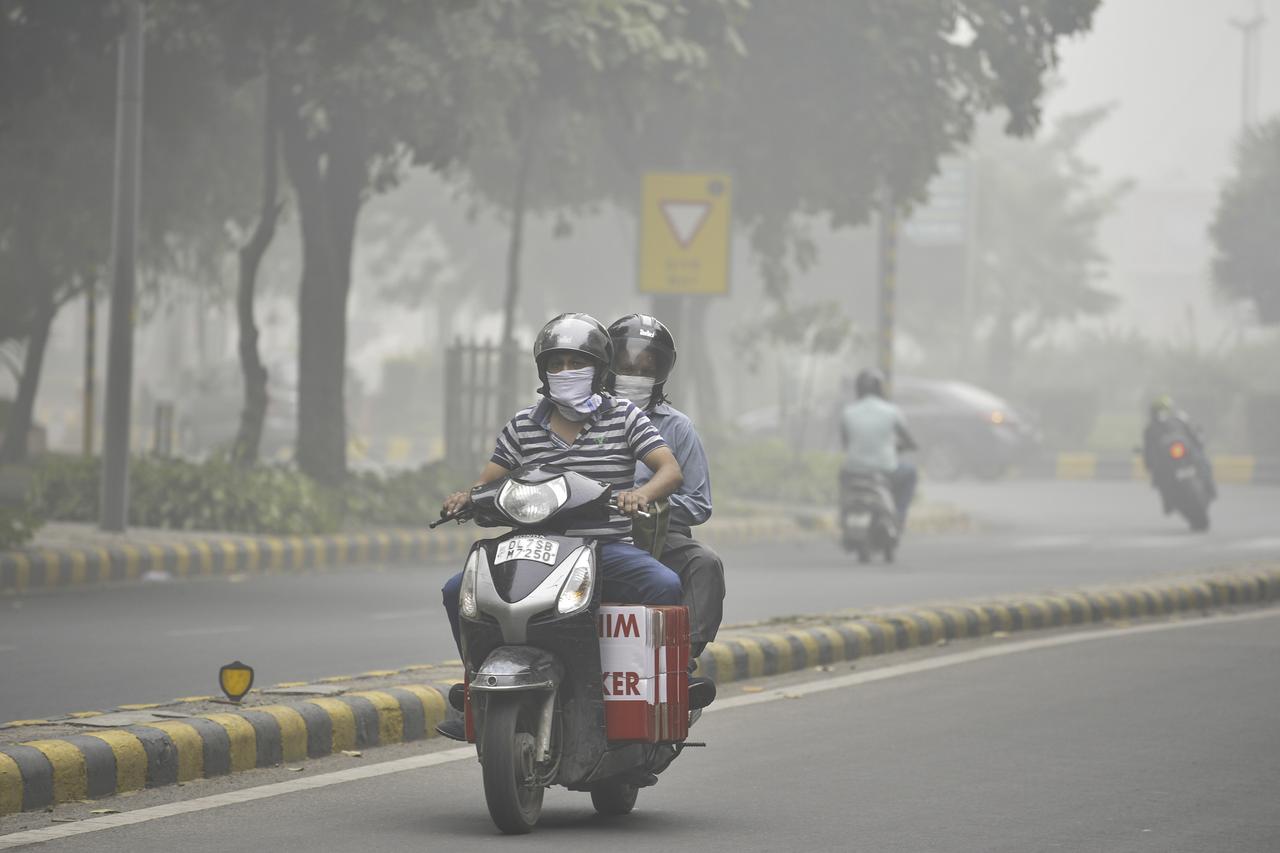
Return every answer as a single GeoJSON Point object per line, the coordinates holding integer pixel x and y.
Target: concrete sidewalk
{"type": "Point", "coordinates": [67, 554]}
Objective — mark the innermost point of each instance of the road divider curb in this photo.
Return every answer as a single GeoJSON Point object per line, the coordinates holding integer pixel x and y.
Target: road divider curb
{"type": "Point", "coordinates": [42, 773]}
{"type": "Point", "coordinates": [755, 654]}
{"type": "Point", "coordinates": [222, 555]}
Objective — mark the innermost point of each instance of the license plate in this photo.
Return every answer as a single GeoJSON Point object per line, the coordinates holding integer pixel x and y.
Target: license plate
{"type": "Point", "coordinates": [1185, 473]}
{"type": "Point", "coordinates": [860, 519]}
{"type": "Point", "coordinates": [537, 548]}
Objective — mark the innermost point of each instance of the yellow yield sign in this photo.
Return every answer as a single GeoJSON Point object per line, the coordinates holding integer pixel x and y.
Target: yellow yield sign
{"type": "Point", "coordinates": [684, 234]}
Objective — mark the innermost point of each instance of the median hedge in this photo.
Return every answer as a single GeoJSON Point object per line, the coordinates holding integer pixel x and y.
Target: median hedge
{"type": "Point", "coordinates": [216, 495]}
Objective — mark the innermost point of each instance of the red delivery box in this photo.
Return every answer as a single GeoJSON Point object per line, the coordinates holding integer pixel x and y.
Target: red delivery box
{"type": "Point", "coordinates": [644, 660]}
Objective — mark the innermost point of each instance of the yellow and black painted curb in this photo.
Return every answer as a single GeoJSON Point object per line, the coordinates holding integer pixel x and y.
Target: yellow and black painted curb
{"type": "Point", "coordinates": [222, 554]}
{"type": "Point", "coordinates": [1239, 469]}
{"type": "Point", "coordinates": [41, 773]}
{"type": "Point", "coordinates": [36, 774]}
{"type": "Point", "coordinates": [755, 655]}
{"type": "Point", "coordinates": [45, 568]}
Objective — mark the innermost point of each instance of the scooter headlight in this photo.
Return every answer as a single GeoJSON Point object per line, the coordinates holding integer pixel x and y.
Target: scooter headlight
{"type": "Point", "coordinates": [576, 592]}
{"type": "Point", "coordinates": [467, 595]}
{"type": "Point", "coordinates": [530, 504]}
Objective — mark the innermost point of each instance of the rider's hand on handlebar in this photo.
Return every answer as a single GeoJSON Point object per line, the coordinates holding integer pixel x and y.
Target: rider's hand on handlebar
{"type": "Point", "coordinates": [454, 503]}
{"type": "Point", "coordinates": [629, 503]}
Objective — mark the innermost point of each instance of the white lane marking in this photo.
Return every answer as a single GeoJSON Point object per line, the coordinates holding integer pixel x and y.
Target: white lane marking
{"type": "Point", "coordinates": [231, 798]}
{"type": "Point", "coordinates": [211, 631]}
{"type": "Point", "coordinates": [325, 780]}
{"type": "Point", "coordinates": [1263, 544]}
{"type": "Point", "coordinates": [404, 614]}
{"type": "Point", "coordinates": [1031, 543]}
{"type": "Point", "coordinates": [980, 654]}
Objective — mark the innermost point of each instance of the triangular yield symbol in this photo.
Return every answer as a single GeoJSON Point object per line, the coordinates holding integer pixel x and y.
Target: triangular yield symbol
{"type": "Point", "coordinates": [684, 218]}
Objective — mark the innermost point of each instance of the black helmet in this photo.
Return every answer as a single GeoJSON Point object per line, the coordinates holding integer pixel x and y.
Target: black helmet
{"type": "Point", "coordinates": [638, 336]}
{"type": "Point", "coordinates": [869, 381]}
{"type": "Point", "coordinates": [575, 332]}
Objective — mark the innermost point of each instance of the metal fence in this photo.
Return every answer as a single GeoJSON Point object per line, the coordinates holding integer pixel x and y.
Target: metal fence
{"type": "Point", "coordinates": [475, 403]}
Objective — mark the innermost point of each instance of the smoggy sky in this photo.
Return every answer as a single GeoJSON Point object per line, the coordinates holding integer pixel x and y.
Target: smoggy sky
{"type": "Point", "coordinates": [1173, 68]}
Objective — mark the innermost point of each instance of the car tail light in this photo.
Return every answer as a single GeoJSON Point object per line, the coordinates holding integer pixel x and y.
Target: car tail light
{"type": "Point", "coordinates": [1177, 450]}
{"type": "Point", "coordinates": [997, 417]}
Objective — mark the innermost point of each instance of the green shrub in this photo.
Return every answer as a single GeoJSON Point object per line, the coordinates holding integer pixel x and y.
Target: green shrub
{"type": "Point", "coordinates": [402, 498]}
{"type": "Point", "coordinates": [216, 495]}
{"type": "Point", "coordinates": [17, 525]}
{"type": "Point", "coordinates": [772, 471]}
{"type": "Point", "coordinates": [172, 493]}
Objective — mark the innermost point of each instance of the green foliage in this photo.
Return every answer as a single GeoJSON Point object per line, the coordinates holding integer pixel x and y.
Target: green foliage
{"type": "Point", "coordinates": [17, 525]}
{"type": "Point", "coordinates": [1246, 229]}
{"type": "Point", "coordinates": [399, 499]}
{"type": "Point", "coordinates": [217, 495]}
{"type": "Point", "coordinates": [1040, 207]}
{"type": "Point", "coordinates": [182, 495]}
{"type": "Point", "coordinates": [831, 104]}
{"type": "Point", "coordinates": [773, 471]}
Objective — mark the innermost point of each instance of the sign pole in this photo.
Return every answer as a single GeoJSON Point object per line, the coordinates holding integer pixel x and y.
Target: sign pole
{"type": "Point", "coordinates": [115, 447]}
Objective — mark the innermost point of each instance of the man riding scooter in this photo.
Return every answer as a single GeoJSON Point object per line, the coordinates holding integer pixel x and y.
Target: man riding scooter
{"type": "Point", "coordinates": [873, 431]}
{"type": "Point", "coordinates": [644, 353]}
{"type": "Point", "coordinates": [579, 426]}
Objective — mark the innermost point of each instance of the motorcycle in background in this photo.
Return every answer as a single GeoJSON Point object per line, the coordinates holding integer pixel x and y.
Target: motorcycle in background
{"type": "Point", "coordinates": [1181, 477]}
{"type": "Point", "coordinates": [868, 518]}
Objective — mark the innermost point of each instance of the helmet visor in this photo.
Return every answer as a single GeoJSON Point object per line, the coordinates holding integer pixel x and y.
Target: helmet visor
{"type": "Point", "coordinates": [642, 357]}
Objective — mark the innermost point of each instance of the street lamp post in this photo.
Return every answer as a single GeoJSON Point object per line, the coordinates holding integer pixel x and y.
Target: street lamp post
{"type": "Point", "coordinates": [115, 447]}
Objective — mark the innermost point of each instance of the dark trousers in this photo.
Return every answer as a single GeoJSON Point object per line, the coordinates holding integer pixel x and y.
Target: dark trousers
{"type": "Point", "coordinates": [902, 485]}
{"type": "Point", "coordinates": [628, 576]}
{"type": "Point", "coordinates": [702, 579]}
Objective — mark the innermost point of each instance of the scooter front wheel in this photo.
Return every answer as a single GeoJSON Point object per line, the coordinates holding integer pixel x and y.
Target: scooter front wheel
{"type": "Point", "coordinates": [510, 790]}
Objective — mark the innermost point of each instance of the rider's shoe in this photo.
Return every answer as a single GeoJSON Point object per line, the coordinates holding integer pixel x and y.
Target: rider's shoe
{"type": "Point", "coordinates": [453, 728]}
{"type": "Point", "coordinates": [702, 692]}
{"type": "Point", "coordinates": [458, 697]}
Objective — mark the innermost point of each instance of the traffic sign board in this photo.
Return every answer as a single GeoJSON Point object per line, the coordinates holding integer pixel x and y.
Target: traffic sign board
{"type": "Point", "coordinates": [684, 233]}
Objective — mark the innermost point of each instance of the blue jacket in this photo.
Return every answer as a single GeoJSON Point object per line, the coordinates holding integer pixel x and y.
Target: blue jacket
{"type": "Point", "coordinates": [691, 505]}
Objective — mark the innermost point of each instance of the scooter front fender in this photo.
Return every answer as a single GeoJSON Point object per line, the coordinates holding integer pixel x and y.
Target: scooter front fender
{"type": "Point", "coordinates": [513, 668]}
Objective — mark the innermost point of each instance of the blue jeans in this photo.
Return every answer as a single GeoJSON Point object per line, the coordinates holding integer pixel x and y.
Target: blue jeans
{"type": "Point", "coordinates": [628, 576]}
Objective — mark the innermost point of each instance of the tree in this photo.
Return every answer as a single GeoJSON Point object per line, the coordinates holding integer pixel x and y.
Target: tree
{"type": "Point", "coordinates": [1040, 207]}
{"type": "Point", "coordinates": [54, 178]}
{"type": "Point", "coordinates": [56, 152]}
{"type": "Point", "coordinates": [551, 71]}
{"type": "Point", "coordinates": [829, 109]}
{"type": "Point", "coordinates": [362, 94]}
{"type": "Point", "coordinates": [1246, 228]}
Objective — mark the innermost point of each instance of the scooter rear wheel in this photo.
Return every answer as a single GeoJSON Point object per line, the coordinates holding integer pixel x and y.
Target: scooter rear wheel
{"type": "Point", "coordinates": [614, 797]}
{"type": "Point", "coordinates": [514, 799]}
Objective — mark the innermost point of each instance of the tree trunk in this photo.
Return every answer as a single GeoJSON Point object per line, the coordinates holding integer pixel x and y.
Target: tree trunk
{"type": "Point", "coordinates": [14, 448]}
{"type": "Point", "coordinates": [507, 382]}
{"type": "Point", "coordinates": [710, 411]}
{"type": "Point", "coordinates": [328, 176]}
{"type": "Point", "coordinates": [254, 413]}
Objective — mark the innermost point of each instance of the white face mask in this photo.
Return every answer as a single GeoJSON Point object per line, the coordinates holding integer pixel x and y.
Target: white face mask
{"type": "Point", "coordinates": [637, 389]}
{"type": "Point", "coordinates": [571, 392]}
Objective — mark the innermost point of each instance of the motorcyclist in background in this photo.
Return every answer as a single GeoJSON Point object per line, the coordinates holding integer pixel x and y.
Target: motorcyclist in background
{"type": "Point", "coordinates": [873, 431]}
{"type": "Point", "coordinates": [644, 353]}
{"type": "Point", "coordinates": [1165, 421]}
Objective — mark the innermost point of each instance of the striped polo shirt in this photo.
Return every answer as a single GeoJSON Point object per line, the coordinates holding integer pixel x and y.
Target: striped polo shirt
{"type": "Point", "coordinates": [614, 437]}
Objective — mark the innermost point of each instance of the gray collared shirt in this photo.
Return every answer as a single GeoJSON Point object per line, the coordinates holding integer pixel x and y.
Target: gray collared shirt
{"type": "Point", "coordinates": [691, 505]}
